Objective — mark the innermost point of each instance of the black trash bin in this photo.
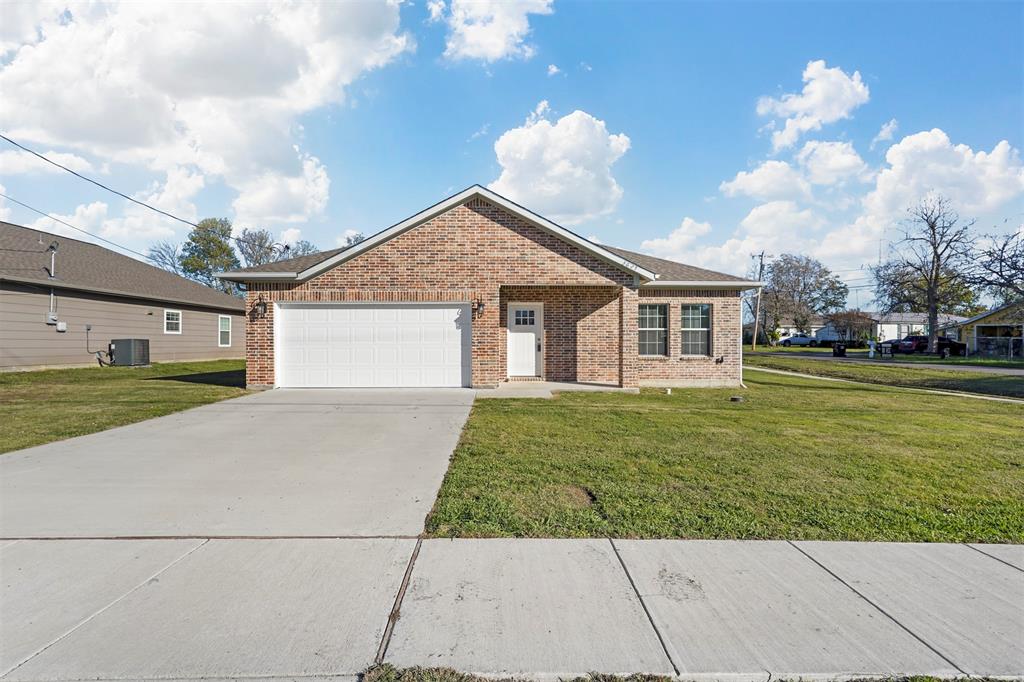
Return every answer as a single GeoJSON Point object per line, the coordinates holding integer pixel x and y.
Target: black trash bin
{"type": "Point", "coordinates": [839, 350]}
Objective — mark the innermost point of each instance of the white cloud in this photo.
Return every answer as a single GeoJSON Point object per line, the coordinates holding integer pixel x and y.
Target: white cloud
{"type": "Point", "coordinates": [17, 162]}
{"type": "Point", "coordinates": [290, 236]}
{"type": "Point", "coordinates": [829, 95]}
{"type": "Point", "coordinates": [562, 169]}
{"type": "Point", "coordinates": [435, 8]}
{"type": "Point", "coordinates": [553, 70]}
{"type": "Point", "coordinates": [5, 210]}
{"type": "Point", "coordinates": [480, 132]}
{"type": "Point", "coordinates": [276, 198]}
{"type": "Point", "coordinates": [779, 220]}
{"type": "Point", "coordinates": [88, 217]}
{"type": "Point", "coordinates": [219, 107]}
{"type": "Point", "coordinates": [22, 20]}
{"type": "Point", "coordinates": [885, 133]}
{"type": "Point", "coordinates": [976, 182]}
{"type": "Point", "coordinates": [679, 241]}
{"type": "Point", "coordinates": [343, 239]}
{"type": "Point", "coordinates": [770, 180]}
{"type": "Point", "coordinates": [491, 30]}
{"type": "Point", "coordinates": [830, 163]}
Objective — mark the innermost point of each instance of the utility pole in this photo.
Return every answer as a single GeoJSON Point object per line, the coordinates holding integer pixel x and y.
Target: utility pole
{"type": "Point", "coordinates": [757, 305]}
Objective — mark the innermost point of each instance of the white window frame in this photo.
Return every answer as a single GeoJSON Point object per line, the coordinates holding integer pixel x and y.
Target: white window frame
{"type": "Point", "coordinates": [683, 329]}
{"type": "Point", "coordinates": [221, 331]}
{"type": "Point", "coordinates": [181, 321]}
{"type": "Point", "coordinates": [668, 311]}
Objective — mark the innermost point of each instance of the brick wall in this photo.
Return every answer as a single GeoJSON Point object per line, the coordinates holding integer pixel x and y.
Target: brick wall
{"type": "Point", "coordinates": [675, 369]}
{"type": "Point", "coordinates": [475, 252]}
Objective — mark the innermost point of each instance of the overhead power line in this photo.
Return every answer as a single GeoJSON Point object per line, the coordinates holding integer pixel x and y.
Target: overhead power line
{"type": "Point", "coordinates": [284, 248]}
{"type": "Point", "coordinates": [98, 184]}
{"type": "Point", "coordinates": [67, 224]}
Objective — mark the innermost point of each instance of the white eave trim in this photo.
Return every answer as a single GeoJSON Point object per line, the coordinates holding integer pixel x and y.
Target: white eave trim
{"type": "Point", "coordinates": [235, 276]}
{"type": "Point", "coordinates": [437, 209]}
{"type": "Point", "coordinates": [702, 284]}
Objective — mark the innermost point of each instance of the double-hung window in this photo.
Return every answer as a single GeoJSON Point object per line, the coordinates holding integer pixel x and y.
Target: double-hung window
{"type": "Point", "coordinates": [224, 331]}
{"type": "Point", "coordinates": [653, 327]}
{"type": "Point", "coordinates": [696, 329]}
{"type": "Point", "coordinates": [172, 322]}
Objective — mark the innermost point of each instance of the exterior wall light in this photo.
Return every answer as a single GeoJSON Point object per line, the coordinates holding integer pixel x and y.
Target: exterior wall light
{"type": "Point", "coordinates": [259, 308]}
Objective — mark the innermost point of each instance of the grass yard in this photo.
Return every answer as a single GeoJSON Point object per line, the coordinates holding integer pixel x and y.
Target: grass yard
{"type": "Point", "coordinates": [912, 377]}
{"type": "Point", "coordinates": [49, 405]}
{"type": "Point", "coordinates": [799, 459]}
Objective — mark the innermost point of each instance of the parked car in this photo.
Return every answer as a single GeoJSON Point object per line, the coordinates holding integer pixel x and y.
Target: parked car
{"type": "Point", "coordinates": [919, 344]}
{"type": "Point", "coordinates": [799, 340]}
{"type": "Point", "coordinates": [892, 345]}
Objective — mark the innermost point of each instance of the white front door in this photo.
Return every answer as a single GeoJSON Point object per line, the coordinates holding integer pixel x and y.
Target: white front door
{"type": "Point", "coordinates": [525, 339]}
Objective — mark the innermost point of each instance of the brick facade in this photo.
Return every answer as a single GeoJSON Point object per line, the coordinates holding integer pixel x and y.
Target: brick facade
{"type": "Point", "coordinates": [723, 365]}
{"type": "Point", "coordinates": [478, 252]}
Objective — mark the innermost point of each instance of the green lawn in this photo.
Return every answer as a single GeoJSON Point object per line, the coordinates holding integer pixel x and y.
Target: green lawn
{"type": "Point", "coordinates": [912, 377]}
{"type": "Point", "coordinates": [799, 459]}
{"type": "Point", "coordinates": [39, 407]}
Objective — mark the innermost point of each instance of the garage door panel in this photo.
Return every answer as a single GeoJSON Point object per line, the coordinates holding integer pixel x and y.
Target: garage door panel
{"type": "Point", "coordinates": [359, 345]}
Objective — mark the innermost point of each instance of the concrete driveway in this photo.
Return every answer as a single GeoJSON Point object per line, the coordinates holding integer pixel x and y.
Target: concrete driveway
{"type": "Point", "coordinates": [293, 463]}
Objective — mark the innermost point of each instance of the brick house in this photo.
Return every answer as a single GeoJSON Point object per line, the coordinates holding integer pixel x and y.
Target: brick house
{"type": "Point", "coordinates": [478, 290]}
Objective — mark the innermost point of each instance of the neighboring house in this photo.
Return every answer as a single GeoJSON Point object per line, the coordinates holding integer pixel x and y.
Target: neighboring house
{"type": "Point", "coordinates": [43, 318]}
{"type": "Point", "coordinates": [788, 327]}
{"type": "Point", "coordinates": [997, 332]}
{"type": "Point", "coordinates": [890, 326]}
{"type": "Point", "coordinates": [477, 290]}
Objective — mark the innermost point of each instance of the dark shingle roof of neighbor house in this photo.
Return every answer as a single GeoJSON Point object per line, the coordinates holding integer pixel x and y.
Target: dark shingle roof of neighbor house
{"type": "Point", "coordinates": [88, 267]}
{"type": "Point", "coordinates": [667, 270]}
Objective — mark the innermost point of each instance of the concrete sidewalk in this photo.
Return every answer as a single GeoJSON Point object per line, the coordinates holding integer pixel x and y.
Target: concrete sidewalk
{"type": "Point", "coordinates": [290, 608]}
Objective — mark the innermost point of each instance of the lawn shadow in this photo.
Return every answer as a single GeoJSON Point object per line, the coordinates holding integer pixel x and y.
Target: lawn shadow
{"type": "Point", "coordinates": [234, 378]}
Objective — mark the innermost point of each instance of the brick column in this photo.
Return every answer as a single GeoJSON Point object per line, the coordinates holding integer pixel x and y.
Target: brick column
{"type": "Point", "coordinates": [628, 354]}
{"type": "Point", "coordinates": [259, 342]}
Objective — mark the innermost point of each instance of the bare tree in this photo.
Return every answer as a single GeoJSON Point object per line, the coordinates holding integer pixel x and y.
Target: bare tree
{"type": "Point", "coordinates": [302, 248]}
{"type": "Point", "coordinates": [928, 262]}
{"type": "Point", "coordinates": [166, 256]}
{"type": "Point", "coordinates": [851, 325]}
{"type": "Point", "coordinates": [354, 238]}
{"type": "Point", "coordinates": [998, 265]}
{"type": "Point", "coordinates": [257, 247]}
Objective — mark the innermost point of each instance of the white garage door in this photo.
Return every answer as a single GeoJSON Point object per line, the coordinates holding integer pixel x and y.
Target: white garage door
{"type": "Point", "coordinates": [378, 345]}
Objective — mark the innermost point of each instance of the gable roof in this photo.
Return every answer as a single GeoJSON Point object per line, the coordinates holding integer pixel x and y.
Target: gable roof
{"type": "Point", "coordinates": [84, 266]}
{"type": "Point", "coordinates": [669, 271]}
{"type": "Point", "coordinates": [981, 316]}
{"type": "Point", "coordinates": [654, 270]}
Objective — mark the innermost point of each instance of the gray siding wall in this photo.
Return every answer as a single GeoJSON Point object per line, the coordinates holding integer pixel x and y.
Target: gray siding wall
{"type": "Point", "coordinates": [27, 341]}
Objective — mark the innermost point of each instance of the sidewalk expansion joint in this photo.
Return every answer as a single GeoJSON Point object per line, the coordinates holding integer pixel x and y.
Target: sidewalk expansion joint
{"type": "Point", "coordinates": [878, 608]}
{"type": "Point", "coordinates": [396, 609]}
{"type": "Point", "coordinates": [993, 556]}
{"type": "Point", "coordinates": [85, 620]}
{"type": "Point", "coordinates": [643, 604]}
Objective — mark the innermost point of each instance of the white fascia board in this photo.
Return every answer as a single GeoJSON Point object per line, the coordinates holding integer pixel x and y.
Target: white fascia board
{"type": "Point", "coordinates": [460, 198]}
{"type": "Point", "coordinates": [254, 276]}
{"type": "Point", "coordinates": [703, 284]}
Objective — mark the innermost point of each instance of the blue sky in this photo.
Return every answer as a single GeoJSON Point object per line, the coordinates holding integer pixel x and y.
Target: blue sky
{"type": "Point", "coordinates": [352, 117]}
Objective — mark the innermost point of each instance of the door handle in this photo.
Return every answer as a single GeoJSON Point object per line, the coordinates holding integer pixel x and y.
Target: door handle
{"type": "Point", "coordinates": [538, 346]}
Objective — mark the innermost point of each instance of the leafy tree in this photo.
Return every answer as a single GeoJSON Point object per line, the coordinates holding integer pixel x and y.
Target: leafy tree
{"type": "Point", "coordinates": [928, 268]}
{"type": "Point", "coordinates": [258, 247]}
{"type": "Point", "coordinates": [166, 256]}
{"type": "Point", "coordinates": [800, 287]}
{"type": "Point", "coordinates": [208, 251]}
{"type": "Point", "coordinates": [851, 325]}
{"type": "Point", "coordinates": [956, 295]}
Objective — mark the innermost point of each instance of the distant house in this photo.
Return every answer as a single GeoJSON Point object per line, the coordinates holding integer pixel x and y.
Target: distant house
{"type": "Point", "coordinates": [998, 332]}
{"type": "Point", "coordinates": [92, 295]}
{"type": "Point", "coordinates": [887, 326]}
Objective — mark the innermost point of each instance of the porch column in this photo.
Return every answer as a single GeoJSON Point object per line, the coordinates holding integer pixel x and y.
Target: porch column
{"type": "Point", "coordinates": [628, 354]}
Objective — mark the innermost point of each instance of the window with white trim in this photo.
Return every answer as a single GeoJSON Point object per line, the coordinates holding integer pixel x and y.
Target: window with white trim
{"type": "Point", "coordinates": [224, 331]}
{"type": "Point", "coordinates": [653, 329]}
{"type": "Point", "coordinates": [696, 329]}
{"type": "Point", "coordinates": [172, 322]}
{"type": "Point", "coordinates": [525, 318]}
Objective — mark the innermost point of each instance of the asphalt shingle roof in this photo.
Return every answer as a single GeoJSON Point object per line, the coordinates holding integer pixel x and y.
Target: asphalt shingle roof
{"type": "Point", "coordinates": [89, 267]}
{"type": "Point", "coordinates": [297, 264]}
{"type": "Point", "coordinates": [671, 271]}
